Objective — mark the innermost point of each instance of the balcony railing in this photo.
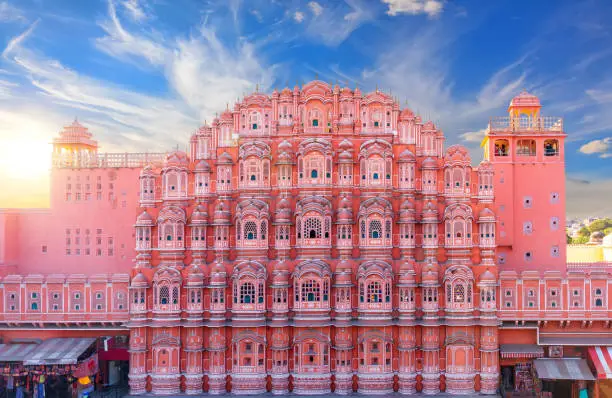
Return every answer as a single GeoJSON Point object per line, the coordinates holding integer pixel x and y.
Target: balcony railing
{"type": "Point", "coordinates": [114, 160]}
{"type": "Point", "coordinates": [523, 124]}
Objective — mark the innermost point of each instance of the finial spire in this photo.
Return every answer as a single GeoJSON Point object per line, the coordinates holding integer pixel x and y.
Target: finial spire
{"type": "Point", "coordinates": [316, 76]}
{"type": "Point", "coordinates": [257, 87]}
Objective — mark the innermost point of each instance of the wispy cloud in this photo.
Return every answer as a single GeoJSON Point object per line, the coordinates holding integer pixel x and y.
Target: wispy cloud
{"type": "Point", "coordinates": [136, 9]}
{"type": "Point", "coordinates": [315, 8]}
{"type": "Point", "coordinates": [431, 8]}
{"type": "Point", "coordinates": [10, 13]}
{"type": "Point", "coordinates": [298, 16]}
{"type": "Point", "coordinates": [334, 24]}
{"type": "Point", "coordinates": [122, 44]}
{"type": "Point", "coordinates": [17, 40]}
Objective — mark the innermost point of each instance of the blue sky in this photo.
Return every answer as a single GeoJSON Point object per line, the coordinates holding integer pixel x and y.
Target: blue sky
{"type": "Point", "coordinates": [143, 74]}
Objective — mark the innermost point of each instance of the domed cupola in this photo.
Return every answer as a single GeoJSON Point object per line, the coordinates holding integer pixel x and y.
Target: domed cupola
{"type": "Point", "coordinates": [344, 270]}
{"type": "Point", "coordinates": [222, 214]}
{"type": "Point", "coordinates": [285, 146]}
{"type": "Point", "coordinates": [487, 278]}
{"type": "Point", "coordinates": [283, 212]}
{"type": "Point", "coordinates": [139, 281]}
{"type": "Point", "coordinates": [199, 215]}
{"type": "Point", "coordinates": [225, 159]}
{"type": "Point", "coordinates": [429, 164]}
{"type": "Point", "coordinates": [144, 220]}
{"type": "Point", "coordinates": [345, 157]}
{"type": "Point", "coordinates": [430, 213]}
{"type": "Point", "coordinates": [176, 159]}
{"type": "Point", "coordinates": [407, 212]}
{"type": "Point", "coordinates": [430, 275]}
{"type": "Point", "coordinates": [147, 171]}
{"type": "Point", "coordinates": [195, 277]}
{"type": "Point", "coordinates": [218, 275]}
{"type": "Point", "coordinates": [280, 274]}
{"type": "Point", "coordinates": [486, 215]}
{"type": "Point", "coordinates": [202, 167]}
{"type": "Point", "coordinates": [406, 114]}
{"type": "Point", "coordinates": [407, 274]}
{"type": "Point", "coordinates": [345, 211]}
{"type": "Point", "coordinates": [346, 145]}
{"type": "Point", "coordinates": [406, 156]}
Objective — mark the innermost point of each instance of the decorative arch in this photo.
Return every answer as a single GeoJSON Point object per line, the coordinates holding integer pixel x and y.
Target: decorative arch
{"type": "Point", "coordinates": [375, 285]}
{"type": "Point", "coordinates": [167, 289]}
{"type": "Point", "coordinates": [313, 222]}
{"type": "Point", "coordinates": [311, 284]}
{"type": "Point", "coordinates": [248, 352]}
{"type": "Point", "coordinates": [457, 171]}
{"type": "Point", "coordinates": [311, 351]}
{"type": "Point", "coordinates": [315, 162]}
{"type": "Point", "coordinates": [166, 350]}
{"type": "Point", "coordinates": [249, 279]}
{"type": "Point", "coordinates": [458, 220]}
{"type": "Point", "coordinates": [254, 164]}
{"type": "Point", "coordinates": [375, 350]}
{"type": "Point", "coordinates": [458, 284]}
{"type": "Point", "coordinates": [171, 227]}
{"type": "Point", "coordinates": [375, 223]}
{"type": "Point", "coordinates": [252, 224]}
{"type": "Point", "coordinates": [376, 163]}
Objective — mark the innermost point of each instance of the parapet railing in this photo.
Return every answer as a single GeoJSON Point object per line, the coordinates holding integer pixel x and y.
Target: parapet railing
{"type": "Point", "coordinates": [525, 124]}
{"type": "Point", "coordinates": [107, 160]}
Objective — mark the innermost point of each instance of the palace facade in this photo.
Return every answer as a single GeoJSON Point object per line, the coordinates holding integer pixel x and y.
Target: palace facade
{"type": "Point", "coordinates": [313, 240]}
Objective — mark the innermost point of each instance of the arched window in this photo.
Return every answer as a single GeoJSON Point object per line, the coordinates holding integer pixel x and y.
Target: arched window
{"type": "Point", "coordinates": [526, 148]}
{"type": "Point", "coordinates": [250, 230]}
{"type": "Point", "coordinates": [164, 295]}
{"type": "Point", "coordinates": [502, 147]}
{"type": "Point", "coordinates": [375, 229]}
{"type": "Point", "coordinates": [247, 293]}
{"type": "Point", "coordinates": [311, 291]}
{"type": "Point", "coordinates": [551, 148]}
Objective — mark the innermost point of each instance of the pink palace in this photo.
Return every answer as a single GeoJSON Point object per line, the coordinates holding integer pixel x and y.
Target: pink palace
{"type": "Point", "coordinates": [316, 240]}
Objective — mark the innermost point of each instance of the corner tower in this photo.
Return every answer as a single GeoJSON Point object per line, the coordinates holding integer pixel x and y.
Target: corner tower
{"type": "Point", "coordinates": [526, 150]}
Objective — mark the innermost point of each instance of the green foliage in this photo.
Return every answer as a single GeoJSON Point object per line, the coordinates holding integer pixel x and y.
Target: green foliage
{"type": "Point", "coordinates": [568, 239]}
{"type": "Point", "coordinates": [580, 240]}
{"type": "Point", "coordinates": [600, 225]}
{"type": "Point", "coordinates": [608, 231]}
{"type": "Point", "coordinates": [584, 231]}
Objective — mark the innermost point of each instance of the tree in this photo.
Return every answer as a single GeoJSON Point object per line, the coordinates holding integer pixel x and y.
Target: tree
{"type": "Point", "coordinates": [580, 240]}
{"type": "Point", "coordinates": [607, 231]}
{"type": "Point", "coordinates": [600, 225]}
{"type": "Point", "coordinates": [568, 239]}
{"type": "Point", "coordinates": [584, 231]}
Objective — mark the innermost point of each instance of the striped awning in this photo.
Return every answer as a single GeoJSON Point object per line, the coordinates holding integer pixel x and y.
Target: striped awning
{"type": "Point", "coordinates": [563, 369]}
{"type": "Point", "coordinates": [521, 351]}
{"type": "Point", "coordinates": [58, 351]}
{"type": "Point", "coordinates": [16, 352]}
{"type": "Point", "coordinates": [602, 359]}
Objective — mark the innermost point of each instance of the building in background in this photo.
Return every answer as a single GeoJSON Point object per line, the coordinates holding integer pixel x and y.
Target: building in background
{"type": "Point", "coordinates": [314, 240]}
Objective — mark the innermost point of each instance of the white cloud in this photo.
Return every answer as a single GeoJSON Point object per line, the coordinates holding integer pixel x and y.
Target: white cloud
{"type": "Point", "coordinates": [136, 9]}
{"type": "Point", "coordinates": [257, 15]}
{"type": "Point", "coordinates": [9, 13]}
{"type": "Point", "coordinates": [315, 8]}
{"type": "Point", "coordinates": [298, 16]}
{"type": "Point", "coordinates": [602, 147]}
{"type": "Point", "coordinates": [122, 44]}
{"type": "Point", "coordinates": [431, 8]}
{"type": "Point", "coordinates": [17, 40]}
{"type": "Point", "coordinates": [474, 136]}
{"type": "Point", "coordinates": [339, 20]}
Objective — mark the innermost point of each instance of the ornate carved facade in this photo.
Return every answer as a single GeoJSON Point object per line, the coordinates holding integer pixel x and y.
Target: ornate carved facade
{"type": "Point", "coordinates": [324, 240]}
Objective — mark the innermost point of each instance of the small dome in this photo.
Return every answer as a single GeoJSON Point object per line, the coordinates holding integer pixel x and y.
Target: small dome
{"type": "Point", "coordinates": [195, 277]}
{"type": "Point", "coordinates": [286, 92]}
{"type": "Point", "coordinates": [429, 126]}
{"type": "Point", "coordinates": [218, 274]}
{"type": "Point", "coordinates": [486, 215]}
{"type": "Point", "coordinates": [418, 119]}
{"type": "Point", "coordinates": [429, 163]}
{"type": "Point", "coordinates": [144, 219]}
{"type": "Point", "coordinates": [200, 215]}
{"type": "Point", "coordinates": [345, 145]}
{"type": "Point", "coordinates": [139, 281]}
{"type": "Point", "coordinates": [285, 146]}
{"type": "Point", "coordinates": [407, 275]}
{"type": "Point", "coordinates": [222, 215]}
{"type": "Point", "coordinates": [406, 114]}
{"type": "Point", "coordinates": [407, 204]}
{"type": "Point", "coordinates": [407, 156]}
{"type": "Point", "coordinates": [176, 158]}
{"type": "Point", "coordinates": [202, 166]}
{"type": "Point", "coordinates": [488, 276]}
{"type": "Point", "coordinates": [524, 99]}
{"type": "Point", "coordinates": [283, 211]}
{"type": "Point", "coordinates": [345, 155]}
{"type": "Point", "coordinates": [430, 277]}
{"type": "Point", "coordinates": [225, 158]}
{"type": "Point", "coordinates": [147, 171]}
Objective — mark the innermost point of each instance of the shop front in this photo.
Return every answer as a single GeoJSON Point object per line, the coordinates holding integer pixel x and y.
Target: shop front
{"type": "Point", "coordinates": [600, 359]}
{"type": "Point", "coordinates": [516, 369]}
{"type": "Point", "coordinates": [562, 377]}
{"type": "Point", "coordinates": [57, 367]}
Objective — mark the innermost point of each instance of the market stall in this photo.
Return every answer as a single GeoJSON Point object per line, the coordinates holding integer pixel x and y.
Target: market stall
{"type": "Point", "coordinates": [55, 367]}
{"type": "Point", "coordinates": [560, 378]}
